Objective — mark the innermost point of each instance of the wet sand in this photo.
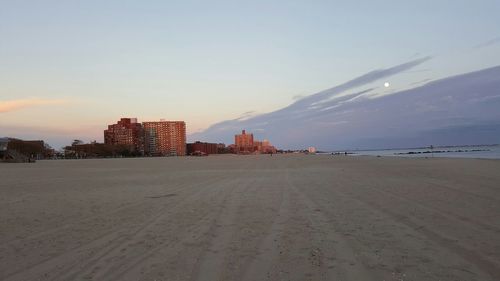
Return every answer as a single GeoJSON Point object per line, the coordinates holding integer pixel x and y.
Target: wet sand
{"type": "Point", "coordinates": [293, 217]}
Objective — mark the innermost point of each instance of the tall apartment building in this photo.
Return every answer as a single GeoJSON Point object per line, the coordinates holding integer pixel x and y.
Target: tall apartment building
{"type": "Point", "coordinates": [165, 138]}
{"type": "Point", "coordinates": [125, 132]}
{"type": "Point", "coordinates": [244, 143]}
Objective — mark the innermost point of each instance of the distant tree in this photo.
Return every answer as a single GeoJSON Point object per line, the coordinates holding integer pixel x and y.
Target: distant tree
{"type": "Point", "coordinates": [48, 151]}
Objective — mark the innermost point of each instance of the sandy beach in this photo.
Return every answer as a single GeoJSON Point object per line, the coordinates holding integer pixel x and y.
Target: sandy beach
{"type": "Point", "coordinates": [290, 217]}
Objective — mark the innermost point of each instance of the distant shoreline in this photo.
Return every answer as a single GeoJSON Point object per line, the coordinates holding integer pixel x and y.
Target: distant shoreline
{"type": "Point", "coordinates": [491, 151]}
{"type": "Point", "coordinates": [410, 148]}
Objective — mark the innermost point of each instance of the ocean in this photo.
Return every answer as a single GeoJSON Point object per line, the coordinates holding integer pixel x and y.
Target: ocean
{"type": "Point", "coordinates": [480, 151]}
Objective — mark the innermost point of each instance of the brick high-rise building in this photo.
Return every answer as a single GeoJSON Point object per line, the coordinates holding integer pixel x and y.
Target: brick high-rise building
{"type": "Point", "coordinates": [165, 138]}
{"type": "Point", "coordinates": [244, 143]}
{"type": "Point", "coordinates": [125, 132]}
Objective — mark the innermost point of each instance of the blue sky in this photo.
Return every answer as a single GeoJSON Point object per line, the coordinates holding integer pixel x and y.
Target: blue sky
{"type": "Point", "coordinates": [90, 62]}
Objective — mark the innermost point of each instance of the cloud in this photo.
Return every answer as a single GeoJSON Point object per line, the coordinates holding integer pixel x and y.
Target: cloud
{"type": "Point", "coordinates": [14, 105]}
{"type": "Point", "coordinates": [421, 82]}
{"type": "Point", "coordinates": [488, 43]}
{"type": "Point", "coordinates": [246, 115]}
{"type": "Point", "coordinates": [298, 97]}
{"type": "Point", "coordinates": [308, 106]}
{"type": "Point", "coordinates": [357, 82]}
{"type": "Point", "coordinates": [416, 55]}
{"type": "Point", "coordinates": [348, 116]}
{"type": "Point", "coordinates": [418, 70]}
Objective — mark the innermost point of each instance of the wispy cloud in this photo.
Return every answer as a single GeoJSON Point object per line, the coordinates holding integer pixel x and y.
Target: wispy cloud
{"type": "Point", "coordinates": [357, 82]}
{"type": "Point", "coordinates": [421, 82]}
{"type": "Point", "coordinates": [14, 105]}
{"type": "Point", "coordinates": [418, 70]}
{"type": "Point", "coordinates": [298, 97]}
{"type": "Point", "coordinates": [246, 115]}
{"type": "Point", "coordinates": [488, 43]}
{"type": "Point", "coordinates": [309, 105]}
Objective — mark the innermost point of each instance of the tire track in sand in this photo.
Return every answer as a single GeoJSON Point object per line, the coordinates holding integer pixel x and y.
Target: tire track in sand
{"type": "Point", "coordinates": [335, 255]}
{"type": "Point", "coordinates": [178, 237]}
{"type": "Point", "coordinates": [64, 263]}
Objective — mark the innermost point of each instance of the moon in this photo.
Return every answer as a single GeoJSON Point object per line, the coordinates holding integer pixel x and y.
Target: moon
{"type": "Point", "coordinates": [386, 84]}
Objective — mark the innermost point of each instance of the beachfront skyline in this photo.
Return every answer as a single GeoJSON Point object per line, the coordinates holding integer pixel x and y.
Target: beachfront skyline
{"type": "Point", "coordinates": [90, 63]}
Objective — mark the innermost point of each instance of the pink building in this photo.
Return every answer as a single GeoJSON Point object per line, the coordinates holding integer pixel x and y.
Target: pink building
{"type": "Point", "coordinates": [244, 143]}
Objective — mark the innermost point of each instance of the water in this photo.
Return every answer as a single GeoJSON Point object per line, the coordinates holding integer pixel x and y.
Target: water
{"type": "Point", "coordinates": [486, 152]}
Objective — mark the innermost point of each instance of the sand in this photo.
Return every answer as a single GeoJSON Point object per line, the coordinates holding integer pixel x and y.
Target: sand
{"type": "Point", "coordinates": [292, 217]}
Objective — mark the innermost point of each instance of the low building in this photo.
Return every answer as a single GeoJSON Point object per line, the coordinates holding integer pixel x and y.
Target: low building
{"type": "Point", "coordinates": [202, 148]}
{"type": "Point", "coordinates": [264, 147]}
{"type": "Point", "coordinates": [16, 150]}
{"type": "Point", "coordinates": [99, 150]}
{"type": "Point", "coordinates": [34, 149]}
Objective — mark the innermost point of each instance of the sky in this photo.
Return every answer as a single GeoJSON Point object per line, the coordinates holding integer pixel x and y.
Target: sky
{"type": "Point", "coordinates": [70, 68]}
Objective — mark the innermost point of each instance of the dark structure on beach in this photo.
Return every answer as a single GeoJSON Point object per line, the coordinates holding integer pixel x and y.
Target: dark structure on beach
{"type": "Point", "coordinates": [16, 150]}
{"type": "Point", "coordinates": [99, 150]}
